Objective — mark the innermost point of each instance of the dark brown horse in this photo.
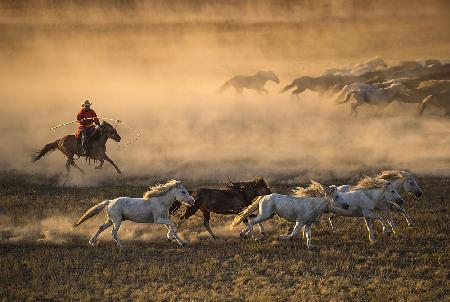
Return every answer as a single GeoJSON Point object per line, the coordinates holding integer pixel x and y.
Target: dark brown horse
{"type": "Point", "coordinates": [230, 200]}
{"type": "Point", "coordinates": [70, 147]}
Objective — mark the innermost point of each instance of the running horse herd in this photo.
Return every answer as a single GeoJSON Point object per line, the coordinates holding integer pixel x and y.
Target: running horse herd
{"type": "Point", "coordinates": [425, 83]}
{"type": "Point", "coordinates": [372, 198]}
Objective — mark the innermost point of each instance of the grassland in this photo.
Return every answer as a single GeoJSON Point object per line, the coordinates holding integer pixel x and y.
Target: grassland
{"type": "Point", "coordinates": [413, 265]}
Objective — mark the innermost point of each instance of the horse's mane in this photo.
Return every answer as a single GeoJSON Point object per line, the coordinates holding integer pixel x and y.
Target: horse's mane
{"type": "Point", "coordinates": [367, 183]}
{"type": "Point", "coordinates": [376, 60]}
{"type": "Point", "coordinates": [99, 131]}
{"type": "Point", "coordinates": [392, 174]}
{"type": "Point", "coordinates": [161, 189]}
{"type": "Point", "coordinates": [239, 184]}
{"type": "Point", "coordinates": [315, 189]}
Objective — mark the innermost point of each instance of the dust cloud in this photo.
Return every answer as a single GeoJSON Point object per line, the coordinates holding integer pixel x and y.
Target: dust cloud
{"type": "Point", "coordinates": [157, 66]}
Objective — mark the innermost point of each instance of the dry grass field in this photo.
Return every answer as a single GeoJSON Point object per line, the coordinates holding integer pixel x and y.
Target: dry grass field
{"type": "Point", "coordinates": [42, 259]}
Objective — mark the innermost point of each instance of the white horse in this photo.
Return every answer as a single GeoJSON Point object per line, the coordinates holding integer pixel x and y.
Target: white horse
{"type": "Point", "coordinates": [365, 198]}
{"type": "Point", "coordinates": [374, 64]}
{"type": "Point", "coordinates": [362, 93]}
{"type": "Point", "coordinates": [301, 210]}
{"type": "Point", "coordinates": [402, 181]}
{"type": "Point", "coordinates": [152, 208]}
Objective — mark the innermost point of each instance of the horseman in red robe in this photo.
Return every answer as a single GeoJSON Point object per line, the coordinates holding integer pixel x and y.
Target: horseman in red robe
{"type": "Point", "coordinates": [88, 121]}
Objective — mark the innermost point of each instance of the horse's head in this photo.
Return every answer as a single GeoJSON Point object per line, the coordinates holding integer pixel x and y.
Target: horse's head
{"type": "Point", "coordinates": [182, 195]}
{"type": "Point", "coordinates": [110, 132]}
{"type": "Point", "coordinates": [390, 194]}
{"type": "Point", "coordinates": [333, 195]}
{"type": "Point", "coordinates": [252, 188]}
{"type": "Point", "coordinates": [269, 75]}
{"type": "Point", "coordinates": [410, 185]}
{"type": "Point", "coordinates": [262, 187]}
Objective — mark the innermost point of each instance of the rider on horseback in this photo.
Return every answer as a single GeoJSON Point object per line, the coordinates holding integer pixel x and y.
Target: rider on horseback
{"type": "Point", "coordinates": [88, 121]}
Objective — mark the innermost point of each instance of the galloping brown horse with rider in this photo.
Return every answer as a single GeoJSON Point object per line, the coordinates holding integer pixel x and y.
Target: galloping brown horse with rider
{"type": "Point", "coordinates": [88, 142]}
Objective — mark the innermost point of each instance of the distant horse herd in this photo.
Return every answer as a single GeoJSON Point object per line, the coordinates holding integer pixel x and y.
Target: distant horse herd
{"type": "Point", "coordinates": [424, 82]}
{"type": "Point", "coordinates": [372, 198]}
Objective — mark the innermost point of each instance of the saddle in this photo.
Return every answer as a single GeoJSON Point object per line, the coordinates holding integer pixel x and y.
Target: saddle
{"type": "Point", "coordinates": [91, 132]}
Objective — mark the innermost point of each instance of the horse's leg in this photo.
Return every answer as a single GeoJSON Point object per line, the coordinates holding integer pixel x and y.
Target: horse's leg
{"type": "Point", "coordinates": [169, 235]}
{"type": "Point", "coordinates": [172, 233]}
{"type": "Point", "coordinates": [103, 227]}
{"type": "Point", "coordinates": [258, 219]}
{"type": "Point", "coordinates": [117, 222]}
{"type": "Point", "coordinates": [369, 223]}
{"type": "Point", "coordinates": [189, 212]}
{"type": "Point", "coordinates": [402, 211]}
{"type": "Point", "coordinates": [330, 220]}
{"type": "Point", "coordinates": [109, 160]}
{"type": "Point", "coordinates": [387, 214]}
{"type": "Point", "coordinates": [309, 243]}
{"type": "Point", "coordinates": [68, 165]}
{"type": "Point", "coordinates": [296, 94]}
{"type": "Point", "coordinates": [261, 228]}
{"type": "Point", "coordinates": [295, 231]}
{"type": "Point", "coordinates": [100, 165]}
{"type": "Point", "coordinates": [374, 215]}
{"type": "Point", "coordinates": [72, 162]}
{"type": "Point", "coordinates": [353, 107]}
{"type": "Point", "coordinates": [206, 217]}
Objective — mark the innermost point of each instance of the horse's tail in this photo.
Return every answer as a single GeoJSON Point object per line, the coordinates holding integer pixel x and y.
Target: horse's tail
{"type": "Point", "coordinates": [347, 98]}
{"type": "Point", "coordinates": [421, 107]}
{"type": "Point", "coordinates": [246, 212]}
{"type": "Point", "coordinates": [47, 148]}
{"type": "Point", "coordinates": [287, 87]}
{"type": "Point", "coordinates": [341, 94]}
{"type": "Point", "coordinates": [95, 210]}
{"type": "Point", "coordinates": [224, 86]}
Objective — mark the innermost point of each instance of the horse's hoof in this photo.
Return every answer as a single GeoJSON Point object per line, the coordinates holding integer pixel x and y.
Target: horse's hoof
{"type": "Point", "coordinates": [242, 235]}
{"type": "Point", "coordinates": [118, 171]}
{"type": "Point", "coordinates": [311, 246]}
{"type": "Point", "coordinates": [411, 225]}
{"type": "Point", "coordinates": [283, 237]}
{"type": "Point", "coordinates": [183, 244]}
{"type": "Point", "coordinates": [93, 242]}
{"type": "Point", "coordinates": [98, 168]}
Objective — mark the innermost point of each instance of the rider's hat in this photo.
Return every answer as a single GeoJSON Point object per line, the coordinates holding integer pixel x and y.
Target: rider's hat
{"type": "Point", "coordinates": [86, 103]}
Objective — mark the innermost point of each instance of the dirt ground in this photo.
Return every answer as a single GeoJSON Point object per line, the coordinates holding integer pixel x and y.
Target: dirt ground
{"type": "Point", "coordinates": [43, 259]}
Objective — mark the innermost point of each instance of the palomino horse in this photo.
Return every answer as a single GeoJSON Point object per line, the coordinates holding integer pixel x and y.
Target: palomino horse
{"type": "Point", "coordinates": [97, 151]}
{"type": "Point", "coordinates": [255, 82]}
{"type": "Point", "coordinates": [152, 208]}
{"type": "Point", "coordinates": [368, 195]}
{"type": "Point", "coordinates": [304, 211]}
{"type": "Point", "coordinates": [230, 200]}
